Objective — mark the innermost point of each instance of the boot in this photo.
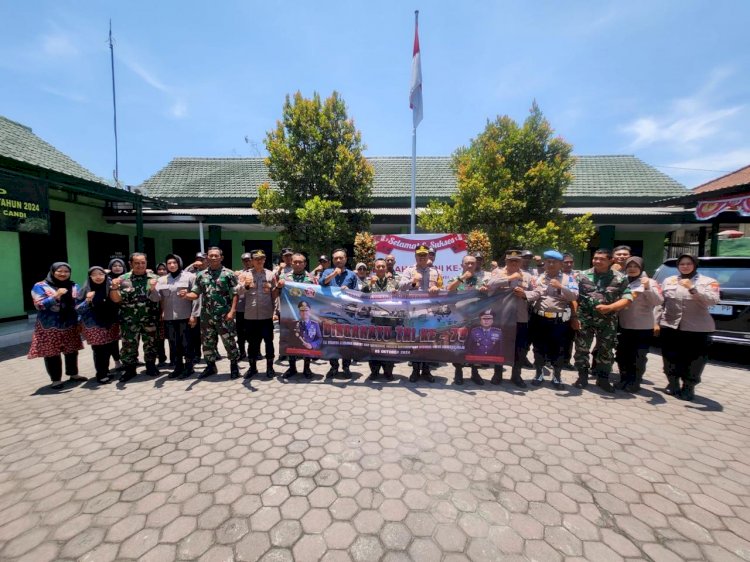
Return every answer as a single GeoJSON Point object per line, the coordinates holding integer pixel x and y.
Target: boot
{"type": "Point", "coordinates": [234, 370]}
{"type": "Point", "coordinates": [189, 370]}
{"type": "Point", "coordinates": [332, 372]}
{"type": "Point", "coordinates": [515, 377]}
{"type": "Point", "coordinates": [539, 377]}
{"type": "Point", "coordinates": [414, 373]}
{"type": "Point", "coordinates": [179, 368]}
{"type": "Point", "coordinates": [673, 386]}
{"type": "Point", "coordinates": [307, 373]}
{"type": "Point", "coordinates": [427, 373]}
{"type": "Point", "coordinates": [347, 372]}
{"type": "Point", "coordinates": [270, 373]}
{"type": "Point", "coordinates": [458, 376]}
{"type": "Point", "coordinates": [687, 392]}
{"type": "Point", "coordinates": [475, 378]}
{"type": "Point", "coordinates": [388, 371]}
{"type": "Point", "coordinates": [209, 370]}
{"type": "Point", "coordinates": [603, 383]}
{"type": "Point", "coordinates": [128, 373]}
{"type": "Point", "coordinates": [557, 378]}
{"type": "Point", "coordinates": [583, 380]}
{"type": "Point", "coordinates": [252, 370]}
{"type": "Point", "coordinates": [151, 369]}
{"type": "Point", "coordinates": [374, 371]}
{"type": "Point", "coordinates": [497, 376]}
{"type": "Point", "coordinates": [292, 370]}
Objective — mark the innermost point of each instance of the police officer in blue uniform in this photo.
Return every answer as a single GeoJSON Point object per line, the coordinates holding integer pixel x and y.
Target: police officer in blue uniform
{"type": "Point", "coordinates": [310, 335]}
{"type": "Point", "coordinates": [485, 339]}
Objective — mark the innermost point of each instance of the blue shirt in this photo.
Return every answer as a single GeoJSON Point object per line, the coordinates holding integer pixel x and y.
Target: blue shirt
{"type": "Point", "coordinates": [347, 279]}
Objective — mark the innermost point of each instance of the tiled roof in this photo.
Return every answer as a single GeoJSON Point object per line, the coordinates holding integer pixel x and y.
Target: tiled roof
{"type": "Point", "coordinates": [595, 177]}
{"type": "Point", "coordinates": [733, 179]}
{"type": "Point", "coordinates": [19, 143]}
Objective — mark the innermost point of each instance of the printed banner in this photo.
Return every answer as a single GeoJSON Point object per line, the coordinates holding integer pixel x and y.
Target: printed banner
{"type": "Point", "coordinates": [450, 249]}
{"type": "Point", "coordinates": [460, 327]}
{"type": "Point", "coordinates": [709, 209]}
{"type": "Point", "coordinates": [24, 205]}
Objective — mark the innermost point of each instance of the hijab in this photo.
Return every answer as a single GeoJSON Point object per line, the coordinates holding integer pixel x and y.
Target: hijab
{"type": "Point", "coordinates": [116, 275]}
{"type": "Point", "coordinates": [637, 261]}
{"type": "Point", "coordinates": [67, 304]}
{"type": "Point", "coordinates": [695, 266]}
{"type": "Point", "coordinates": [179, 265]}
{"type": "Point", "coordinates": [102, 308]}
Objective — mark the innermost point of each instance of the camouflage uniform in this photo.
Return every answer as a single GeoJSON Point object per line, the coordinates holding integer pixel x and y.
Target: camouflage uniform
{"type": "Point", "coordinates": [217, 289]}
{"type": "Point", "coordinates": [139, 318]}
{"type": "Point", "coordinates": [595, 289]}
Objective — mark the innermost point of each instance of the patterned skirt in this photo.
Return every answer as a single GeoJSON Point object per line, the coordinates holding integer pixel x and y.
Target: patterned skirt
{"type": "Point", "coordinates": [49, 342]}
{"type": "Point", "coordinates": [101, 336]}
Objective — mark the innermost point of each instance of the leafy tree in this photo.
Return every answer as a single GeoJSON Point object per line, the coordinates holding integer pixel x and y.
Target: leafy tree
{"type": "Point", "coordinates": [511, 179]}
{"type": "Point", "coordinates": [323, 182]}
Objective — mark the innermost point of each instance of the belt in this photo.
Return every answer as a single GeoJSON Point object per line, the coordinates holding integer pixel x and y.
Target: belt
{"type": "Point", "coordinates": [553, 315]}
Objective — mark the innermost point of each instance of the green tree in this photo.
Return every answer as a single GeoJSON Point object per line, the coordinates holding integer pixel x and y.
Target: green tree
{"type": "Point", "coordinates": [511, 179]}
{"type": "Point", "coordinates": [323, 183]}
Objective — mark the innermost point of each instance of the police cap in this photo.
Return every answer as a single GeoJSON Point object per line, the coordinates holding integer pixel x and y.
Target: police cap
{"type": "Point", "coordinates": [513, 254]}
{"type": "Point", "coordinates": [286, 251]}
{"type": "Point", "coordinates": [552, 255]}
{"type": "Point", "coordinates": [421, 249]}
{"type": "Point", "coordinates": [246, 256]}
{"type": "Point", "coordinates": [257, 254]}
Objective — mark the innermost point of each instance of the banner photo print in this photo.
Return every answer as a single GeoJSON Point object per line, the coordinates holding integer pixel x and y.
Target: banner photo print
{"type": "Point", "coordinates": [456, 327]}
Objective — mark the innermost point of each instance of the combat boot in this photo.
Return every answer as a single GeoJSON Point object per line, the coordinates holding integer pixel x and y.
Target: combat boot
{"type": "Point", "coordinates": [374, 372]}
{"type": "Point", "coordinates": [414, 373]}
{"type": "Point", "coordinates": [189, 370]}
{"type": "Point", "coordinates": [583, 380]}
{"type": "Point", "coordinates": [687, 392]}
{"type": "Point", "coordinates": [603, 383]}
{"type": "Point", "coordinates": [209, 370]}
{"type": "Point", "coordinates": [270, 373]}
{"type": "Point", "coordinates": [497, 376]}
{"type": "Point", "coordinates": [427, 373]}
{"type": "Point", "coordinates": [557, 378]}
{"type": "Point", "coordinates": [458, 375]}
{"type": "Point", "coordinates": [307, 372]}
{"type": "Point", "coordinates": [128, 373]}
{"type": "Point", "coordinates": [234, 370]}
{"type": "Point", "coordinates": [673, 386]}
{"type": "Point", "coordinates": [515, 377]}
{"type": "Point", "coordinates": [151, 369]}
{"type": "Point", "coordinates": [388, 371]}
{"type": "Point", "coordinates": [475, 378]}
{"type": "Point", "coordinates": [292, 370]}
{"type": "Point", "coordinates": [539, 377]}
{"type": "Point", "coordinates": [252, 370]}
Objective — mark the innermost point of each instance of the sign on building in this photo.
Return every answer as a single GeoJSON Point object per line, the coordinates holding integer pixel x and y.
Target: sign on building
{"type": "Point", "coordinates": [24, 204]}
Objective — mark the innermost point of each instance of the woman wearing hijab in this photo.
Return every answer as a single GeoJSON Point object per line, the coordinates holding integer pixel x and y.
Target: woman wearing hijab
{"type": "Point", "coordinates": [637, 325]}
{"type": "Point", "coordinates": [116, 268]}
{"type": "Point", "coordinates": [99, 316]}
{"type": "Point", "coordinates": [686, 326]}
{"type": "Point", "coordinates": [56, 331]}
{"type": "Point", "coordinates": [161, 270]}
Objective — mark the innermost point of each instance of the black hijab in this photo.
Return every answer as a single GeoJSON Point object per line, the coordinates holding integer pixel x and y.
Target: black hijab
{"type": "Point", "coordinates": [695, 266]}
{"type": "Point", "coordinates": [178, 259]}
{"type": "Point", "coordinates": [116, 275]}
{"type": "Point", "coordinates": [637, 261]}
{"type": "Point", "coordinates": [67, 304]}
{"type": "Point", "coordinates": [102, 308]}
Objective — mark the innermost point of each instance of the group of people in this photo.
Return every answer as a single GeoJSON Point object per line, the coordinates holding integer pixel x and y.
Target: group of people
{"type": "Point", "coordinates": [613, 307]}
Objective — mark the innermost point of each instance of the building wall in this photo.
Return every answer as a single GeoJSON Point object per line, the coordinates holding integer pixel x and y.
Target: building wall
{"type": "Point", "coordinates": [11, 291]}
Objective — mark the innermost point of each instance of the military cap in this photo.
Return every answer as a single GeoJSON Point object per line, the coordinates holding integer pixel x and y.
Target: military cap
{"type": "Point", "coordinates": [552, 255]}
{"type": "Point", "coordinates": [303, 305]}
{"type": "Point", "coordinates": [488, 312]}
{"type": "Point", "coordinates": [527, 254]}
{"type": "Point", "coordinates": [478, 255]}
{"type": "Point", "coordinates": [246, 256]}
{"type": "Point", "coordinates": [431, 250]}
{"type": "Point", "coordinates": [323, 258]}
{"type": "Point", "coordinates": [286, 251]}
{"type": "Point", "coordinates": [513, 254]}
{"type": "Point", "coordinates": [200, 256]}
{"type": "Point", "coordinates": [257, 254]}
{"type": "Point", "coordinates": [421, 249]}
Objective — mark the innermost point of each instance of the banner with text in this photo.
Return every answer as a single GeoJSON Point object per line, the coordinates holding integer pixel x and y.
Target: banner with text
{"type": "Point", "coordinates": [450, 249]}
{"type": "Point", "coordinates": [24, 205]}
{"type": "Point", "coordinates": [460, 327]}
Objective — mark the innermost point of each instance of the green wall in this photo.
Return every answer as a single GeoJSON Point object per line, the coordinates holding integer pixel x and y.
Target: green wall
{"type": "Point", "coordinates": [11, 291]}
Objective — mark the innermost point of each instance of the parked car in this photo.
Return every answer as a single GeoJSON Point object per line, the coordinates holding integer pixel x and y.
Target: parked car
{"type": "Point", "coordinates": [732, 314]}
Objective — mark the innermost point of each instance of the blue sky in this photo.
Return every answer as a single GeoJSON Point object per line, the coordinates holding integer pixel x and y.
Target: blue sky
{"type": "Point", "coordinates": [664, 80]}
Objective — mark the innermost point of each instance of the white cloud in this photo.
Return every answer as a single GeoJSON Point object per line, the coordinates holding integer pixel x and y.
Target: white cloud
{"type": "Point", "coordinates": [58, 45]}
{"type": "Point", "coordinates": [720, 162]}
{"type": "Point", "coordinates": [70, 96]}
{"type": "Point", "coordinates": [178, 109]}
{"type": "Point", "coordinates": [146, 75]}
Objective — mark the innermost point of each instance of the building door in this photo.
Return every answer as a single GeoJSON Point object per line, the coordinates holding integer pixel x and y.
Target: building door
{"type": "Point", "coordinates": [40, 251]}
{"type": "Point", "coordinates": [104, 247]}
{"type": "Point", "coordinates": [265, 245]}
{"type": "Point", "coordinates": [186, 248]}
{"type": "Point", "coordinates": [149, 248]}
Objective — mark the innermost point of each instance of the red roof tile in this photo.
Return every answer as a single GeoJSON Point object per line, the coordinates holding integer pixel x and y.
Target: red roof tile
{"type": "Point", "coordinates": [733, 179]}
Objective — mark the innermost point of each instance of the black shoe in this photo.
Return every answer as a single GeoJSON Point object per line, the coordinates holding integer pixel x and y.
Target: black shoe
{"type": "Point", "coordinates": [557, 381]}
{"type": "Point", "coordinates": [234, 370]}
{"type": "Point", "coordinates": [687, 393]}
{"type": "Point", "coordinates": [673, 386]}
{"type": "Point", "coordinates": [289, 373]}
{"type": "Point", "coordinates": [427, 375]}
{"type": "Point", "coordinates": [518, 381]}
{"type": "Point", "coordinates": [307, 373]}
{"type": "Point", "coordinates": [332, 372]}
{"type": "Point", "coordinates": [189, 371]}
{"type": "Point", "coordinates": [497, 377]}
{"type": "Point", "coordinates": [347, 373]}
{"type": "Point", "coordinates": [539, 378]}
{"type": "Point", "coordinates": [475, 378]}
{"type": "Point", "coordinates": [251, 372]}
{"type": "Point", "coordinates": [582, 382]}
{"type": "Point", "coordinates": [209, 370]}
{"type": "Point", "coordinates": [104, 379]}
{"type": "Point", "coordinates": [128, 373]}
{"type": "Point", "coordinates": [388, 374]}
{"type": "Point", "coordinates": [604, 384]}
{"type": "Point", "coordinates": [177, 373]}
{"type": "Point", "coordinates": [414, 376]}
{"type": "Point", "coordinates": [151, 369]}
{"type": "Point", "coordinates": [458, 376]}
{"type": "Point", "coordinates": [632, 388]}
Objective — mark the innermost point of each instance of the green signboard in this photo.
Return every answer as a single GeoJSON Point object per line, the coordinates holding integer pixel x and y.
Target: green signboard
{"type": "Point", "coordinates": [24, 204]}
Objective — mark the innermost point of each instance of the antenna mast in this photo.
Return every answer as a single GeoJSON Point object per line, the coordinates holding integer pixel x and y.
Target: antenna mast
{"type": "Point", "coordinates": [114, 103]}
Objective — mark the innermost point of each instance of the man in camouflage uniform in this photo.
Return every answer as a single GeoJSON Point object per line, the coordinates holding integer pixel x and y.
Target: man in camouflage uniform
{"type": "Point", "coordinates": [139, 315]}
{"type": "Point", "coordinates": [380, 282]}
{"type": "Point", "coordinates": [298, 275]}
{"type": "Point", "coordinates": [602, 292]}
{"type": "Point", "coordinates": [216, 286]}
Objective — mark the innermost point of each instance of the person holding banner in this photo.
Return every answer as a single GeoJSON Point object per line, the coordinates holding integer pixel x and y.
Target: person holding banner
{"type": "Point", "coordinates": [381, 283]}
{"type": "Point", "coordinates": [551, 310]}
{"type": "Point", "coordinates": [513, 277]}
{"type": "Point", "coordinates": [422, 276]}
{"type": "Point", "coordinates": [339, 276]}
{"type": "Point", "coordinates": [307, 330]}
{"type": "Point", "coordinates": [469, 280]}
{"type": "Point", "coordinates": [390, 264]}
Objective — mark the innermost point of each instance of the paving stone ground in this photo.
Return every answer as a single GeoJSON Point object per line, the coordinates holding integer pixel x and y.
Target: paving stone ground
{"type": "Point", "coordinates": [273, 470]}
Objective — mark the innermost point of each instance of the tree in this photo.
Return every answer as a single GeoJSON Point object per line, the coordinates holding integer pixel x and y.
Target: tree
{"type": "Point", "coordinates": [323, 182]}
{"type": "Point", "coordinates": [511, 181]}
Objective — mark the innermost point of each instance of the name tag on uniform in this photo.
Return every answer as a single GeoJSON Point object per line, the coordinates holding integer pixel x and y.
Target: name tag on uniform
{"type": "Point", "coordinates": [550, 315]}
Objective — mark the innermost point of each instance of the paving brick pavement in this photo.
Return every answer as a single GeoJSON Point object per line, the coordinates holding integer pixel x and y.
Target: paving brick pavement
{"type": "Point", "coordinates": [274, 470]}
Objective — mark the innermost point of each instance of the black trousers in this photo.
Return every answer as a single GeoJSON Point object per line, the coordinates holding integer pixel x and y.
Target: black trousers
{"type": "Point", "coordinates": [257, 331]}
{"type": "Point", "coordinates": [685, 353]}
{"type": "Point", "coordinates": [102, 354]}
{"type": "Point", "coordinates": [194, 340]}
{"type": "Point", "coordinates": [241, 333]}
{"type": "Point", "coordinates": [522, 343]}
{"type": "Point", "coordinates": [179, 336]}
{"type": "Point", "coordinates": [335, 363]}
{"type": "Point", "coordinates": [632, 353]}
{"type": "Point", "coordinates": [54, 366]}
{"type": "Point", "coordinates": [548, 336]}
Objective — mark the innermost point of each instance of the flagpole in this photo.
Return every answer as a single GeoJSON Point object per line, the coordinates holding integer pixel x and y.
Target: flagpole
{"type": "Point", "coordinates": [414, 153]}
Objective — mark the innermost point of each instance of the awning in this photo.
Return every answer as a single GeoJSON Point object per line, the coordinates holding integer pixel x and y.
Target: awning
{"type": "Point", "coordinates": [712, 208]}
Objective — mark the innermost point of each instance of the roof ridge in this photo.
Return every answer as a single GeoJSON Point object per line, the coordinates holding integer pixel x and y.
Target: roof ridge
{"type": "Point", "coordinates": [16, 123]}
{"type": "Point", "coordinates": [738, 170]}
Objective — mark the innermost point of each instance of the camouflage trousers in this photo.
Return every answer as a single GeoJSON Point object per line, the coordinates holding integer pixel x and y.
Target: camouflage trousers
{"type": "Point", "coordinates": [131, 333]}
{"type": "Point", "coordinates": [213, 328]}
{"type": "Point", "coordinates": [605, 333]}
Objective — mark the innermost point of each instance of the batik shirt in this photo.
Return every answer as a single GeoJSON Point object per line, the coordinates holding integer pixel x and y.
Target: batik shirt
{"type": "Point", "coordinates": [217, 288]}
{"type": "Point", "coordinates": [136, 307]}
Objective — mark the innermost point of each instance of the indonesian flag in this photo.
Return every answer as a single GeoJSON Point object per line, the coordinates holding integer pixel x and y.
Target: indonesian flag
{"type": "Point", "coordinates": [415, 92]}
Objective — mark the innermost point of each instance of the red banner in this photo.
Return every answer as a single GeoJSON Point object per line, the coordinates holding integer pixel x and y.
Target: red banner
{"type": "Point", "coordinates": [709, 209]}
{"type": "Point", "coordinates": [389, 242]}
